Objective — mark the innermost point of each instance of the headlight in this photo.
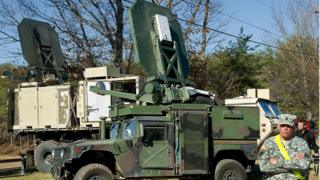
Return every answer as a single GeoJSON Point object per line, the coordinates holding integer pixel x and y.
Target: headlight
{"type": "Point", "coordinates": [62, 153]}
{"type": "Point", "coordinates": [52, 154]}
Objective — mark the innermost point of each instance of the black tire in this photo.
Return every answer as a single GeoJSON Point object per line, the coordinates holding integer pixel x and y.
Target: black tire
{"type": "Point", "coordinates": [42, 156]}
{"type": "Point", "coordinates": [94, 171]}
{"type": "Point", "coordinates": [229, 169]}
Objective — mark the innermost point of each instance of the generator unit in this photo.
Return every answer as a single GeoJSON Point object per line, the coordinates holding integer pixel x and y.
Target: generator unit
{"type": "Point", "coordinates": [46, 108]}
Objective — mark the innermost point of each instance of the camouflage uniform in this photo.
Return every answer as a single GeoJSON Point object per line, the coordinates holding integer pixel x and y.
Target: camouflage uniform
{"type": "Point", "coordinates": [283, 168]}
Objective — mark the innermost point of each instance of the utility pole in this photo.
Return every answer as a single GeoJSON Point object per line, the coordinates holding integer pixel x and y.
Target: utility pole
{"type": "Point", "coordinates": [303, 64]}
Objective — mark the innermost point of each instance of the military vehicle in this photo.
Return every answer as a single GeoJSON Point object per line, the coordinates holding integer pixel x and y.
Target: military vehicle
{"type": "Point", "coordinates": [46, 110]}
{"type": "Point", "coordinates": [176, 131]}
{"type": "Point", "coordinates": [269, 110]}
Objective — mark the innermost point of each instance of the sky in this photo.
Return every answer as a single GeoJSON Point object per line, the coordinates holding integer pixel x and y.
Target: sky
{"type": "Point", "coordinates": [258, 13]}
{"type": "Point", "coordinates": [254, 12]}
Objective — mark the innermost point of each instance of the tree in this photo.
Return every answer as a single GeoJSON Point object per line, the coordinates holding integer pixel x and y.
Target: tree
{"type": "Point", "coordinates": [233, 69]}
{"type": "Point", "coordinates": [95, 32]}
{"type": "Point", "coordinates": [199, 16]}
{"type": "Point", "coordinates": [294, 75]}
{"type": "Point", "coordinates": [91, 32]}
{"type": "Point", "coordinates": [4, 85]}
{"type": "Point", "coordinates": [196, 17]}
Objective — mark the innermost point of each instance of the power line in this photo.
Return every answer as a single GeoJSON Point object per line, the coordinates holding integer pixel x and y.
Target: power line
{"type": "Point", "coordinates": [253, 41]}
{"type": "Point", "coordinates": [252, 25]}
{"type": "Point", "coordinates": [263, 3]}
{"type": "Point", "coordinates": [242, 21]}
{"type": "Point", "coordinates": [128, 1]}
{"type": "Point", "coordinates": [249, 24]}
{"type": "Point", "coordinates": [239, 37]}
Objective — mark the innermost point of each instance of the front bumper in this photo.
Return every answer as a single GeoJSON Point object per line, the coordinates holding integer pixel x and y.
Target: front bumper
{"type": "Point", "coordinates": [60, 156]}
{"type": "Point", "coordinates": [56, 172]}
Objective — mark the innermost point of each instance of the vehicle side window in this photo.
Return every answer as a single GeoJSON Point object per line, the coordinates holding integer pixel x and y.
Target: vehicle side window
{"type": "Point", "coordinates": [275, 109]}
{"type": "Point", "coordinates": [153, 133]}
{"type": "Point", "coordinates": [130, 130]}
{"type": "Point", "coordinates": [265, 108]}
{"type": "Point", "coordinates": [114, 131]}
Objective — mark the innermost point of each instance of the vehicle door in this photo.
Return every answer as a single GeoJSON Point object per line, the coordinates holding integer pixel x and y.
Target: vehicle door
{"type": "Point", "coordinates": [194, 142]}
{"type": "Point", "coordinates": [157, 146]}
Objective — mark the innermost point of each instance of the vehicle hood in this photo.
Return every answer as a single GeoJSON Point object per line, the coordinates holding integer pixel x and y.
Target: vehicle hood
{"type": "Point", "coordinates": [74, 149]}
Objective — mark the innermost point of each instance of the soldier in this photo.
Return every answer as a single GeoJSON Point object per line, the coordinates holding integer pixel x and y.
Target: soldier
{"type": "Point", "coordinates": [307, 135]}
{"type": "Point", "coordinates": [285, 156]}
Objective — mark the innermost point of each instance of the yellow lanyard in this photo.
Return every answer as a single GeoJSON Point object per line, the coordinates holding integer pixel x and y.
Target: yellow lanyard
{"type": "Point", "coordinates": [286, 156]}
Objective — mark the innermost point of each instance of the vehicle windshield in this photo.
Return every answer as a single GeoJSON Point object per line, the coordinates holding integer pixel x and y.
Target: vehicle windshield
{"type": "Point", "coordinates": [275, 109]}
{"type": "Point", "coordinates": [130, 130]}
{"type": "Point", "coordinates": [265, 106]}
{"type": "Point", "coordinates": [114, 131]}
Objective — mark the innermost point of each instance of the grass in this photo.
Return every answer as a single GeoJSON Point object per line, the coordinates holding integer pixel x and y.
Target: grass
{"type": "Point", "coordinates": [33, 175]}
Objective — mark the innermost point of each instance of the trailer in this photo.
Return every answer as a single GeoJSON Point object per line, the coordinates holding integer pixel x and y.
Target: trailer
{"type": "Point", "coordinates": [48, 110]}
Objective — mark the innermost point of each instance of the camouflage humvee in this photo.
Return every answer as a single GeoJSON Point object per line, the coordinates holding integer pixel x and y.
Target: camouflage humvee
{"type": "Point", "coordinates": [176, 131]}
{"type": "Point", "coordinates": [166, 141]}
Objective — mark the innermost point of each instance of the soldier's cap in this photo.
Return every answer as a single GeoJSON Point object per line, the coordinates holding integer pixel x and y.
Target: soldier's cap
{"type": "Point", "coordinates": [287, 119]}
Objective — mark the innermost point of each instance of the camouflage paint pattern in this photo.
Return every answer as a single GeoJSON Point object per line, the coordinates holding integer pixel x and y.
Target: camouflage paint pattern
{"type": "Point", "coordinates": [179, 136]}
{"type": "Point", "coordinates": [230, 122]}
{"type": "Point", "coordinates": [235, 129]}
{"type": "Point", "coordinates": [162, 157]}
{"type": "Point", "coordinates": [283, 168]}
{"type": "Point", "coordinates": [184, 150]}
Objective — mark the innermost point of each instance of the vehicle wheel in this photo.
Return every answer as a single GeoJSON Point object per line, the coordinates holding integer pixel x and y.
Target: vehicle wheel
{"type": "Point", "coordinates": [229, 169]}
{"type": "Point", "coordinates": [43, 157]}
{"type": "Point", "coordinates": [94, 172]}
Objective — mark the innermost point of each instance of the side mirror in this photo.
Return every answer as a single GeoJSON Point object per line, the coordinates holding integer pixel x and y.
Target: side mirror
{"type": "Point", "coordinates": [141, 130]}
{"type": "Point", "coordinates": [6, 75]}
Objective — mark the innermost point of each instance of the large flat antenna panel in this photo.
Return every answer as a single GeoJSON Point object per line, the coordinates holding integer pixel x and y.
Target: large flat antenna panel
{"type": "Point", "coordinates": [40, 44]}
{"type": "Point", "coordinates": [158, 42]}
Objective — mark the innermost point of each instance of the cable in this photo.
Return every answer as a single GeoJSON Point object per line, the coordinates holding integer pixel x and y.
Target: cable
{"type": "Point", "coordinates": [252, 25]}
{"type": "Point", "coordinates": [235, 36]}
{"type": "Point", "coordinates": [263, 3]}
{"type": "Point", "coordinates": [128, 1]}
{"type": "Point", "coordinates": [242, 21]}
{"type": "Point", "coordinates": [253, 41]}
